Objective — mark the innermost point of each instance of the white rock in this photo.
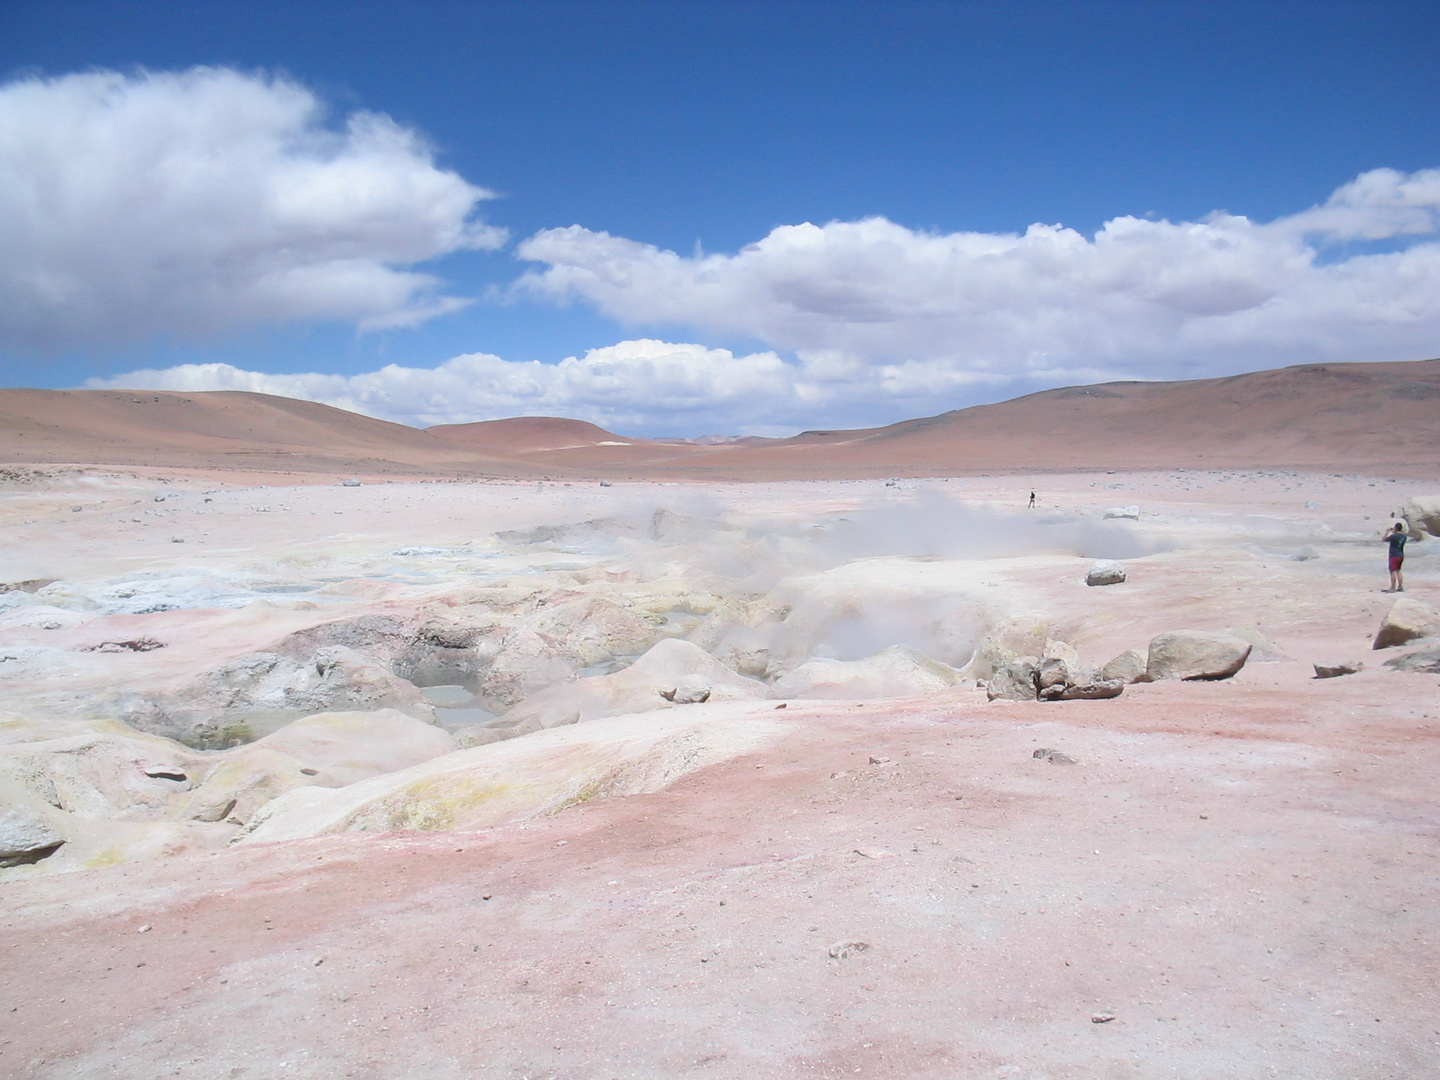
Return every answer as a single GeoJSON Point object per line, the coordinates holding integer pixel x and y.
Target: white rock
{"type": "Point", "coordinates": [1130, 512]}
{"type": "Point", "coordinates": [1105, 572]}
{"type": "Point", "coordinates": [23, 832]}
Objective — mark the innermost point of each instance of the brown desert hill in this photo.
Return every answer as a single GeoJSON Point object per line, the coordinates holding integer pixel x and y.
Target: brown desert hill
{"type": "Point", "coordinates": [1348, 417]}
{"type": "Point", "coordinates": [1332, 417]}
{"type": "Point", "coordinates": [226, 429]}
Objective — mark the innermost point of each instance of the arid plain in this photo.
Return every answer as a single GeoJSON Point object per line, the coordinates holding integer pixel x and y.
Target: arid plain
{"type": "Point", "coordinates": [526, 750]}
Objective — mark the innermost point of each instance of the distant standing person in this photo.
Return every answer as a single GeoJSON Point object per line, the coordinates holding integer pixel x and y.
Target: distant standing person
{"type": "Point", "coordinates": [1397, 537]}
{"type": "Point", "coordinates": [1032, 501]}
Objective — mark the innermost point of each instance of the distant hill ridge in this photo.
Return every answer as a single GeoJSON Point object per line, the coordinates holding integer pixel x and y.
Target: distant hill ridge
{"type": "Point", "coordinates": [1340, 417]}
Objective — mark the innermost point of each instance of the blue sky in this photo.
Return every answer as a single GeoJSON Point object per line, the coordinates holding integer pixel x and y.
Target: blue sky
{"type": "Point", "coordinates": [1240, 185]}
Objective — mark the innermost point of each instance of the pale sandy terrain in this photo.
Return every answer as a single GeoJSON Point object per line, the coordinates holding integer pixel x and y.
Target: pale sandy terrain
{"type": "Point", "coordinates": [1243, 874]}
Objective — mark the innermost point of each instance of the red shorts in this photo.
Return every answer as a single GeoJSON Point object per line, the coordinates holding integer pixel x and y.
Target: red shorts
{"type": "Point", "coordinates": [1395, 561]}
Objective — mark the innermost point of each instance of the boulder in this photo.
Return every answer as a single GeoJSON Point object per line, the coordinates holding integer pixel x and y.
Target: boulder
{"type": "Point", "coordinates": [1426, 660]}
{"type": "Point", "coordinates": [1128, 667]}
{"type": "Point", "coordinates": [1106, 572]}
{"type": "Point", "coordinates": [1193, 654]}
{"type": "Point", "coordinates": [1334, 671]}
{"type": "Point", "coordinates": [1422, 513]}
{"type": "Point", "coordinates": [1015, 681]}
{"type": "Point", "coordinates": [1130, 512]}
{"type": "Point", "coordinates": [1406, 620]}
{"type": "Point", "coordinates": [898, 671]}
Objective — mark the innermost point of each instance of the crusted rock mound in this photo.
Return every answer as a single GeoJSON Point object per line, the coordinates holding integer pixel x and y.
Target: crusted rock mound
{"type": "Point", "coordinates": [898, 671]}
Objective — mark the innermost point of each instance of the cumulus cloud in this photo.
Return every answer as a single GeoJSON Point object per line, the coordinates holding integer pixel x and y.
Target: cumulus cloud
{"type": "Point", "coordinates": [642, 386]}
{"type": "Point", "coordinates": [1140, 297]}
{"type": "Point", "coordinates": [184, 203]}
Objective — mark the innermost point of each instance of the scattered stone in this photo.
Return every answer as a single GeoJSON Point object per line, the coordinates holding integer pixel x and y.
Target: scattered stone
{"type": "Point", "coordinates": [1054, 757]}
{"type": "Point", "coordinates": [690, 691]}
{"type": "Point", "coordinates": [164, 772]}
{"type": "Point", "coordinates": [1130, 512]}
{"type": "Point", "coordinates": [1422, 660]}
{"type": "Point", "coordinates": [1093, 691]}
{"type": "Point", "coordinates": [1193, 654]}
{"type": "Point", "coordinates": [874, 853]}
{"type": "Point", "coordinates": [1128, 667]}
{"type": "Point", "coordinates": [1106, 572]}
{"type": "Point", "coordinates": [1333, 671]}
{"type": "Point", "coordinates": [842, 949]}
{"type": "Point", "coordinates": [1406, 620]}
{"type": "Point", "coordinates": [605, 483]}
{"type": "Point", "coordinates": [351, 482]}
{"type": "Point", "coordinates": [1102, 1018]}
{"type": "Point", "coordinates": [129, 645]}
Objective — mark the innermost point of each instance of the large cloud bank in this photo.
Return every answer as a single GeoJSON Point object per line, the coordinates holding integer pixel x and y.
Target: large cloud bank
{"type": "Point", "coordinates": [1356, 278]}
{"type": "Point", "coordinates": [636, 386]}
{"type": "Point", "coordinates": [180, 204]}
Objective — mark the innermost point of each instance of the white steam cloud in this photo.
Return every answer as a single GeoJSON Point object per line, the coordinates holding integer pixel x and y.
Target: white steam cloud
{"type": "Point", "coordinates": [184, 203]}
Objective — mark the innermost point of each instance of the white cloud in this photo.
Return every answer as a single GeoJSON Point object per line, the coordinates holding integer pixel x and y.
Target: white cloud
{"type": "Point", "coordinates": [635, 386]}
{"type": "Point", "coordinates": [184, 203]}
{"type": "Point", "coordinates": [1147, 298]}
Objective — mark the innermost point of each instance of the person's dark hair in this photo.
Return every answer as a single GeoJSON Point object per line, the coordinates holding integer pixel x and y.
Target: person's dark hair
{"type": "Point", "coordinates": [1400, 526]}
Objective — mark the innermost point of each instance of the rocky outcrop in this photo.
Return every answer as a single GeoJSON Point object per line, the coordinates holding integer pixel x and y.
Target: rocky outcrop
{"type": "Point", "coordinates": [1192, 654]}
{"type": "Point", "coordinates": [1406, 620]}
{"type": "Point", "coordinates": [1106, 572]}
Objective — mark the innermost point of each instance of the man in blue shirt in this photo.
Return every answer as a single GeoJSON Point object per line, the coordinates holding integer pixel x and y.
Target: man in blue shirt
{"type": "Point", "coordinates": [1397, 537]}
